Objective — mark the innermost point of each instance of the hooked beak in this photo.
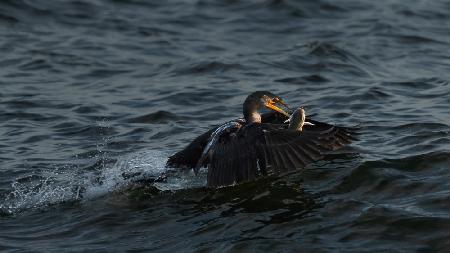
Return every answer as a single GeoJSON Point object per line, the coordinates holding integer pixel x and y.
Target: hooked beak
{"type": "Point", "coordinates": [272, 105]}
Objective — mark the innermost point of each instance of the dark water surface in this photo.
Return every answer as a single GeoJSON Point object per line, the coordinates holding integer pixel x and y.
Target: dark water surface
{"type": "Point", "coordinates": [96, 94]}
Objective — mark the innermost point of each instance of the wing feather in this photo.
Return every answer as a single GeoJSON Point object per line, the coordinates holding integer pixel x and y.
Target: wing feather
{"type": "Point", "coordinates": [261, 149]}
{"type": "Point", "coordinates": [298, 157]}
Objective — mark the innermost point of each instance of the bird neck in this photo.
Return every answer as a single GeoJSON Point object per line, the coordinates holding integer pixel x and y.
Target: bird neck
{"type": "Point", "coordinates": [250, 110]}
{"type": "Point", "coordinates": [252, 117]}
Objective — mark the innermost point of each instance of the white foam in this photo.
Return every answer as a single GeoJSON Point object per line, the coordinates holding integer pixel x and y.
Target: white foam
{"type": "Point", "coordinates": [72, 184]}
{"type": "Point", "coordinates": [53, 187]}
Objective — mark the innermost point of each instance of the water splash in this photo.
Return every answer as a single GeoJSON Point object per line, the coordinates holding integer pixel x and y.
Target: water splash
{"type": "Point", "coordinates": [51, 187]}
{"type": "Point", "coordinates": [141, 167]}
{"type": "Point", "coordinates": [60, 185]}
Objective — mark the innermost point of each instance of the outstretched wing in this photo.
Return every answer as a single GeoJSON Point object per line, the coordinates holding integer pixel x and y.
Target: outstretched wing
{"type": "Point", "coordinates": [289, 149]}
{"type": "Point", "coordinates": [190, 155]}
{"type": "Point", "coordinates": [237, 158]}
{"type": "Point", "coordinates": [260, 149]}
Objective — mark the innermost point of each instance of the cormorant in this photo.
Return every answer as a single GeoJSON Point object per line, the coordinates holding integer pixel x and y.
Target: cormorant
{"type": "Point", "coordinates": [260, 144]}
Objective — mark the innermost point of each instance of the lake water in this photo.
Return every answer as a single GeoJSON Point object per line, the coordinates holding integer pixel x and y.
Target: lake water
{"type": "Point", "coordinates": [95, 95]}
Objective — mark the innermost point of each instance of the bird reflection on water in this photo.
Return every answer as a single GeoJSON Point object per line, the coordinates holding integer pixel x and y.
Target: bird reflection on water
{"type": "Point", "coordinates": [285, 200]}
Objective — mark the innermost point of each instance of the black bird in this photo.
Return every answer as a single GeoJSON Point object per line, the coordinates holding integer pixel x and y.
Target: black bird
{"type": "Point", "coordinates": [260, 144]}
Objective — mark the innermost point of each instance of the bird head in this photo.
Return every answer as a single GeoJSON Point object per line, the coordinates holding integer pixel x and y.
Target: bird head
{"type": "Point", "coordinates": [266, 99]}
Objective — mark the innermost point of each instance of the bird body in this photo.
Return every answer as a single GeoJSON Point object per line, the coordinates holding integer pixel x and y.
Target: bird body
{"type": "Point", "coordinates": [260, 144]}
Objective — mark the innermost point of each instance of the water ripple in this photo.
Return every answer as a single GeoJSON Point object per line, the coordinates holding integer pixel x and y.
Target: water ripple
{"type": "Point", "coordinates": [96, 94]}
